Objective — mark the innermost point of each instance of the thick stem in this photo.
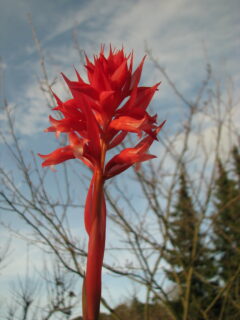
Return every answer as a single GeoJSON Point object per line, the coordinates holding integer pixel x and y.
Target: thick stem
{"type": "Point", "coordinates": [96, 243]}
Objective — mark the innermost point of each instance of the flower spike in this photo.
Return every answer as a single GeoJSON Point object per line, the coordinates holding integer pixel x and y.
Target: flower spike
{"type": "Point", "coordinates": [98, 117]}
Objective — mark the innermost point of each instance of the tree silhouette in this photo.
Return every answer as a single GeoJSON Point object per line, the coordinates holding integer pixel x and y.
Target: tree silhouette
{"type": "Point", "coordinates": [227, 238]}
{"type": "Point", "coordinates": [191, 265]}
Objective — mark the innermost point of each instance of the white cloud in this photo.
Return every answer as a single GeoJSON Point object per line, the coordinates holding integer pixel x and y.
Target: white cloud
{"type": "Point", "coordinates": [175, 31]}
{"type": "Point", "coordinates": [93, 13]}
{"type": "Point", "coordinates": [3, 65]}
{"type": "Point", "coordinates": [33, 113]}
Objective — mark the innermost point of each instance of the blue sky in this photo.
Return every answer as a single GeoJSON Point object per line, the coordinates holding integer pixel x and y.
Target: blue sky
{"type": "Point", "coordinates": [182, 34]}
{"type": "Point", "coordinates": [177, 31]}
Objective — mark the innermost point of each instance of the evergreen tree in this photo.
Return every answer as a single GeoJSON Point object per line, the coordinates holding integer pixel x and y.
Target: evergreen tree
{"type": "Point", "coordinates": [226, 224]}
{"type": "Point", "coordinates": [191, 263]}
{"type": "Point", "coordinates": [236, 159]}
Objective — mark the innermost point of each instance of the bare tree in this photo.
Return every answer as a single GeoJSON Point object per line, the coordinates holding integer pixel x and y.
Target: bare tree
{"type": "Point", "coordinates": [53, 293]}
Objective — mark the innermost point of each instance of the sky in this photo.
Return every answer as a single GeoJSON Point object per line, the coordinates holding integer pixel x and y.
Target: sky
{"type": "Point", "coordinates": [183, 36]}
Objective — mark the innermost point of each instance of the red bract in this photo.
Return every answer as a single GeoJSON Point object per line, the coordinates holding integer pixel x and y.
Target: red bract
{"type": "Point", "coordinates": [97, 119]}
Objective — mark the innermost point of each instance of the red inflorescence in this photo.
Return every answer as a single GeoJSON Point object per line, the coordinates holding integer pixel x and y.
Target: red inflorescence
{"type": "Point", "coordinates": [97, 119]}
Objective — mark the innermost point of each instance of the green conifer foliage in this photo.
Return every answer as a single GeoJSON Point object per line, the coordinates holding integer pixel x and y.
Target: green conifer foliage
{"type": "Point", "coordinates": [191, 266]}
{"type": "Point", "coordinates": [226, 225]}
{"type": "Point", "coordinates": [236, 159]}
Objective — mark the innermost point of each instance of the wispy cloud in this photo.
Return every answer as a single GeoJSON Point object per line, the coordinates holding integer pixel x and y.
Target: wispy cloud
{"type": "Point", "coordinates": [181, 36]}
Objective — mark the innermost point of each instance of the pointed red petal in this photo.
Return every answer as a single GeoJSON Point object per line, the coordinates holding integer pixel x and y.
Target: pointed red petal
{"type": "Point", "coordinates": [120, 75]}
{"type": "Point", "coordinates": [127, 107]}
{"type": "Point", "coordinates": [145, 143]}
{"type": "Point", "coordinates": [100, 80]}
{"type": "Point", "coordinates": [80, 149]}
{"type": "Point", "coordinates": [129, 124]}
{"type": "Point", "coordinates": [66, 125]}
{"type": "Point", "coordinates": [144, 96]}
{"type": "Point", "coordinates": [129, 156]}
{"type": "Point", "coordinates": [77, 88]}
{"type": "Point", "coordinates": [77, 144]}
{"type": "Point", "coordinates": [117, 140]}
{"type": "Point", "coordinates": [112, 171]}
{"type": "Point", "coordinates": [93, 129]}
{"type": "Point", "coordinates": [108, 104]}
{"type": "Point", "coordinates": [124, 160]}
{"type": "Point", "coordinates": [57, 156]}
{"type": "Point", "coordinates": [137, 75]}
{"type": "Point", "coordinates": [59, 102]}
{"type": "Point", "coordinates": [80, 80]}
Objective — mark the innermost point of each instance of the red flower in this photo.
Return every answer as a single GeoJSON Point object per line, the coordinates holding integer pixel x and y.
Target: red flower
{"type": "Point", "coordinates": [97, 119]}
